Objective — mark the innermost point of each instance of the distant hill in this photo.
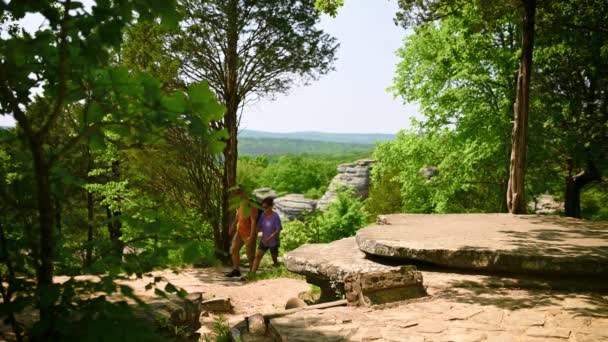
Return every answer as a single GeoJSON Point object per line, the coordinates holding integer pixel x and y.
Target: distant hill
{"type": "Point", "coordinates": [254, 146]}
{"type": "Point", "coordinates": [351, 138]}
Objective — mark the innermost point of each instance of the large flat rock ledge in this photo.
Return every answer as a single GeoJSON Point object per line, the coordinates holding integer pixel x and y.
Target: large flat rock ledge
{"type": "Point", "coordinates": [340, 268]}
{"type": "Point", "coordinates": [544, 245]}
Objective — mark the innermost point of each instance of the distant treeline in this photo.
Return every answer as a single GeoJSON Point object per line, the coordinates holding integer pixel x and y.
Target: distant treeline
{"type": "Point", "coordinates": [257, 146]}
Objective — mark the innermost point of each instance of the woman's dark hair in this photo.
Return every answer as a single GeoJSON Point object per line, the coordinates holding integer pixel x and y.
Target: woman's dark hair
{"type": "Point", "coordinates": [268, 201]}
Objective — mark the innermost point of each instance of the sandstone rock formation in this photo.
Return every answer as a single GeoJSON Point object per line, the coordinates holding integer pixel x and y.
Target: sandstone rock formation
{"type": "Point", "coordinates": [355, 176]}
{"type": "Point", "coordinates": [293, 206]}
{"type": "Point", "coordinates": [340, 268]}
{"type": "Point", "coordinates": [428, 172]}
{"type": "Point", "coordinates": [262, 193]}
{"type": "Point", "coordinates": [546, 204]}
{"type": "Point", "coordinates": [543, 245]}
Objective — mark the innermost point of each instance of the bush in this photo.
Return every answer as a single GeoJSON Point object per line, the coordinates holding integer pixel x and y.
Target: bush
{"type": "Point", "coordinates": [342, 219]}
{"type": "Point", "coordinates": [295, 234]}
{"type": "Point", "coordinates": [594, 202]}
{"type": "Point", "coordinates": [297, 174]}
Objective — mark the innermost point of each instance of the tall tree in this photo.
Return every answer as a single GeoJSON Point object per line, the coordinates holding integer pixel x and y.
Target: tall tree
{"type": "Point", "coordinates": [247, 50]}
{"type": "Point", "coordinates": [460, 71]}
{"type": "Point", "coordinates": [572, 90]}
{"type": "Point", "coordinates": [424, 11]}
{"type": "Point", "coordinates": [516, 199]}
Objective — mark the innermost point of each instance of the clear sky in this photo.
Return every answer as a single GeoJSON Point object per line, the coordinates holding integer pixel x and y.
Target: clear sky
{"type": "Point", "coordinates": [353, 98]}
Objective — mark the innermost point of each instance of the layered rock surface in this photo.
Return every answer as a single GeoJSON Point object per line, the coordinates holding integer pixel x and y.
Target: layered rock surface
{"type": "Point", "coordinates": [355, 176]}
{"type": "Point", "coordinates": [340, 268]}
{"type": "Point", "coordinates": [492, 242]}
{"type": "Point", "coordinates": [262, 193]}
{"type": "Point", "coordinates": [293, 206]}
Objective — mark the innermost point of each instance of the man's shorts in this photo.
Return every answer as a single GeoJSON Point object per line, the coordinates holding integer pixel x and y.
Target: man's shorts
{"type": "Point", "coordinates": [273, 250]}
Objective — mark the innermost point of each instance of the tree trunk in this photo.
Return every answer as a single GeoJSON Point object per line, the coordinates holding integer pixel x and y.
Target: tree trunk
{"type": "Point", "coordinates": [7, 296]}
{"type": "Point", "coordinates": [88, 257]}
{"type": "Point", "coordinates": [230, 123]}
{"type": "Point", "coordinates": [574, 185]}
{"type": "Point", "coordinates": [45, 218]}
{"type": "Point", "coordinates": [516, 199]}
{"type": "Point", "coordinates": [115, 231]}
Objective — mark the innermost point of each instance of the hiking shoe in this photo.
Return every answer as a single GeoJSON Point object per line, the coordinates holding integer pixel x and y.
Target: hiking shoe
{"type": "Point", "coordinates": [234, 273]}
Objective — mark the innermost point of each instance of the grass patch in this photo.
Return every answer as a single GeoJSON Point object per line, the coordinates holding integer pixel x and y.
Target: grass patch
{"type": "Point", "coordinates": [272, 273]}
{"type": "Point", "coordinates": [221, 331]}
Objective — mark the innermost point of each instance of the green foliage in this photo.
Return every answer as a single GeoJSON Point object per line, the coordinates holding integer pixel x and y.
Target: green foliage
{"type": "Point", "coordinates": [72, 182]}
{"type": "Point", "coordinates": [267, 272]}
{"type": "Point", "coordinates": [342, 219]}
{"type": "Point", "coordinates": [145, 49]}
{"type": "Point", "coordinates": [249, 171]}
{"type": "Point", "coordinates": [277, 42]}
{"type": "Point", "coordinates": [297, 233]}
{"type": "Point", "coordinates": [464, 181]}
{"type": "Point", "coordinates": [221, 331]}
{"type": "Point", "coordinates": [593, 203]}
{"type": "Point", "coordinates": [297, 174]}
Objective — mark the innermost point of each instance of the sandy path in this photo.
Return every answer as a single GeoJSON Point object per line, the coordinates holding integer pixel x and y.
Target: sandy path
{"type": "Point", "coordinates": [248, 298]}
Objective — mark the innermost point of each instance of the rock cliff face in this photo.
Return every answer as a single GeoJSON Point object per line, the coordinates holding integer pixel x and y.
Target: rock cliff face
{"type": "Point", "coordinates": [353, 175]}
{"type": "Point", "coordinates": [293, 206]}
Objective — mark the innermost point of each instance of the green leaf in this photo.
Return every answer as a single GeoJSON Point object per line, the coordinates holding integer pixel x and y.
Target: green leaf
{"type": "Point", "coordinates": [170, 288]}
{"type": "Point", "coordinates": [175, 102]}
{"type": "Point", "coordinates": [152, 227]}
{"type": "Point", "coordinates": [160, 293]}
{"type": "Point", "coordinates": [96, 142]}
{"type": "Point", "coordinates": [95, 113]}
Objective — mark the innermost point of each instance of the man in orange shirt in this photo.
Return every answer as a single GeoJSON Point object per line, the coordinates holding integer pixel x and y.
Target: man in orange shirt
{"type": "Point", "coordinates": [246, 232]}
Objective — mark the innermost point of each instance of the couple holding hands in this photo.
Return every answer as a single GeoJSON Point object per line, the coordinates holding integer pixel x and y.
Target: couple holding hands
{"type": "Point", "coordinates": [247, 224]}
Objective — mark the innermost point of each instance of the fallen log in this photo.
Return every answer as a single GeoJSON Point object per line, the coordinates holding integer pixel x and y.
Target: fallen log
{"type": "Point", "coordinates": [272, 315]}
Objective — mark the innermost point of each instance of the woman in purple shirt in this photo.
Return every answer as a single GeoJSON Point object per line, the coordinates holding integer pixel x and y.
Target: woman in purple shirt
{"type": "Point", "coordinates": [269, 223]}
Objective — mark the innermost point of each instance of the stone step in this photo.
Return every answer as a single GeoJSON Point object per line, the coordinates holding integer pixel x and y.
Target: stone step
{"type": "Point", "coordinates": [543, 245]}
{"type": "Point", "coordinates": [340, 269]}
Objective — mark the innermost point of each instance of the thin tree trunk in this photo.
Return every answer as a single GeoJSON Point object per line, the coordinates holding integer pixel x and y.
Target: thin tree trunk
{"type": "Point", "coordinates": [88, 258]}
{"type": "Point", "coordinates": [516, 199]}
{"type": "Point", "coordinates": [574, 185]}
{"type": "Point", "coordinates": [45, 217]}
{"type": "Point", "coordinates": [8, 294]}
{"type": "Point", "coordinates": [230, 121]}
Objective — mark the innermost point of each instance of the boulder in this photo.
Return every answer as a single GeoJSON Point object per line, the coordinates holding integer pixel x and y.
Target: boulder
{"type": "Point", "coordinates": [428, 172]}
{"type": "Point", "coordinates": [535, 244]}
{"type": "Point", "coordinates": [546, 204]}
{"type": "Point", "coordinates": [340, 269]}
{"type": "Point", "coordinates": [262, 193]}
{"type": "Point", "coordinates": [355, 176]}
{"type": "Point", "coordinates": [293, 206]}
{"type": "Point", "coordinates": [217, 305]}
{"type": "Point", "coordinates": [256, 325]}
{"type": "Point", "coordinates": [295, 303]}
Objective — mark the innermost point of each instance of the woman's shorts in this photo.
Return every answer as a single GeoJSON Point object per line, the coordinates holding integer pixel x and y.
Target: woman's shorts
{"type": "Point", "coordinates": [273, 250]}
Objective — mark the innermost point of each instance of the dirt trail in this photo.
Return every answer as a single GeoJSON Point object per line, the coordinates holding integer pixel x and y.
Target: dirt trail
{"type": "Point", "coordinates": [248, 298]}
